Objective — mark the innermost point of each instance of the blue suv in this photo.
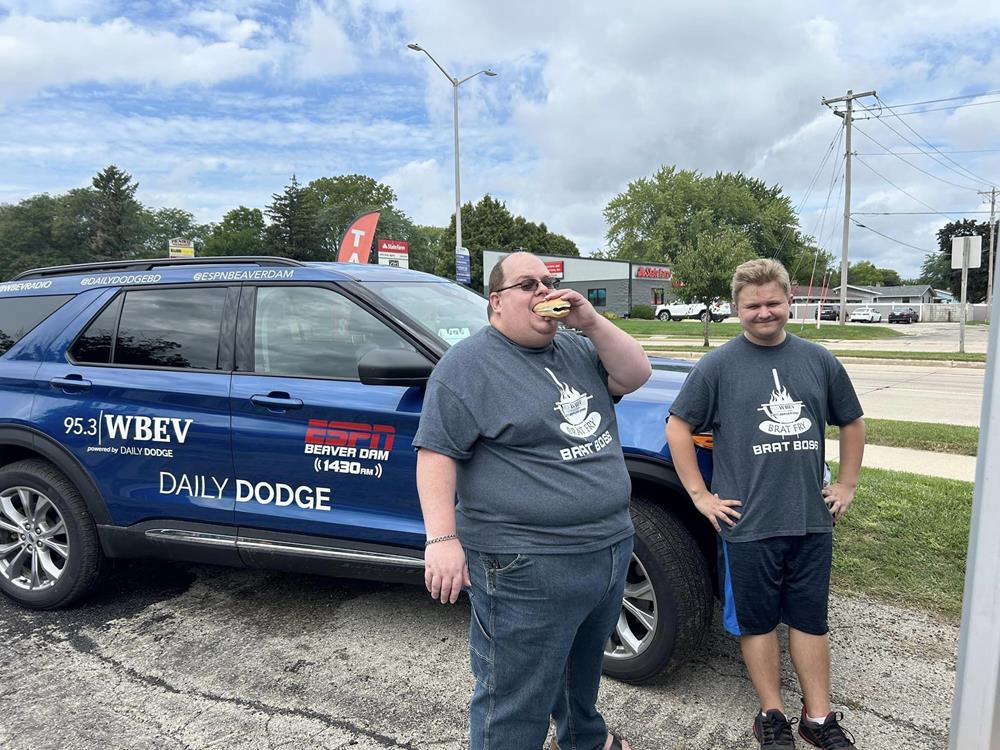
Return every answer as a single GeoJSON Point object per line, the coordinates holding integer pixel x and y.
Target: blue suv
{"type": "Point", "coordinates": [260, 412]}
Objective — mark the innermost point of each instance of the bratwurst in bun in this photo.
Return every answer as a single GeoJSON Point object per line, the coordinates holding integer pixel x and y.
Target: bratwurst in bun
{"type": "Point", "coordinates": [553, 308]}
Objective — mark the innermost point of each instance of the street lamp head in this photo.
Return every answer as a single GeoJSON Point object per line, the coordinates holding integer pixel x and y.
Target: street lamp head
{"type": "Point", "coordinates": [490, 72]}
{"type": "Point", "coordinates": [415, 47]}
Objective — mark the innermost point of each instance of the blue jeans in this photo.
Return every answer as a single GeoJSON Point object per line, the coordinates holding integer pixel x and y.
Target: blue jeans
{"type": "Point", "coordinates": [536, 641]}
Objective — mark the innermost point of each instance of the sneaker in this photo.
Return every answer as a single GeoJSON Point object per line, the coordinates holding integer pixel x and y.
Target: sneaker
{"type": "Point", "coordinates": [774, 730]}
{"type": "Point", "coordinates": [829, 735]}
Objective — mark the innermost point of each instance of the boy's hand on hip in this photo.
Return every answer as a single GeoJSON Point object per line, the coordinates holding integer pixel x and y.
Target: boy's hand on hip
{"type": "Point", "coordinates": [716, 509]}
{"type": "Point", "coordinates": [838, 498]}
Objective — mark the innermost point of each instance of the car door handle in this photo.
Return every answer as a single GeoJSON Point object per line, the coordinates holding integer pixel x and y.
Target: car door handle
{"type": "Point", "coordinates": [276, 401]}
{"type": "Point", "coordinates": [71, 383]}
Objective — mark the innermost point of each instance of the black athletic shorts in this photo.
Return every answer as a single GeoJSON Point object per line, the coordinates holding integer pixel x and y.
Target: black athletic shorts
{"type": "Point", "coordinates": [781, 579]}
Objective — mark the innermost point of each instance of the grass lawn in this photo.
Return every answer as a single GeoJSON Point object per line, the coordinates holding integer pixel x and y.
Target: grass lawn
{"type": "Point", "coordinates": [858, 353]}
{"type": "Point", "coordinates": [720, 332]}
{"type": "Point", "coordinates": [904, 540]}
{"type": "Point", "coordinates": [924, 436]}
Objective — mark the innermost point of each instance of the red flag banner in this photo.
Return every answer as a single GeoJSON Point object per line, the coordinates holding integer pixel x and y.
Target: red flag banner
{"type": "Point", "coordinates": [356, 244]}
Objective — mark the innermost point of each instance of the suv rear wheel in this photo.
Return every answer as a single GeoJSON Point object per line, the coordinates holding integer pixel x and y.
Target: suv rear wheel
{"type": "Point", "coordinates": [49, 551]}
{"type": "Point", "coordinates": [667, 606]}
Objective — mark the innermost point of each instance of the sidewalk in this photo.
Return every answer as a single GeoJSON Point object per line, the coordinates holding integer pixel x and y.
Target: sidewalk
{"type": "Point", "coordinates": [946, 465]}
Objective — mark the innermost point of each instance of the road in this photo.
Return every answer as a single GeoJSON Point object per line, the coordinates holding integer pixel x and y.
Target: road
{"type": "Point", "coordinates": [947, 395]}
{"type": "Point", "coordinates": [177, 656]}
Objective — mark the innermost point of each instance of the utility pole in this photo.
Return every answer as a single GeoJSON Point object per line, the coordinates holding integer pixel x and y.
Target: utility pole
{"type": "Point", "coordinates": [993, 245]}
{"type": "Point", "coordinates": [848, 119]}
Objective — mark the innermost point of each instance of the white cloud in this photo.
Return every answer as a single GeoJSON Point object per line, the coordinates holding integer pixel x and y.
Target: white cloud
{"type": "Point", "coordinates": [321, 47]}
{"type": "Point", "coordinates": [225, 25]}
{"type": "Point", "coordinates": [36, 54]}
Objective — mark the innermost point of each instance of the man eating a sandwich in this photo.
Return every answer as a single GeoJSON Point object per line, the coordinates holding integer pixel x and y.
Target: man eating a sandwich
{"type": "Point", "coordinates": [519, 426]}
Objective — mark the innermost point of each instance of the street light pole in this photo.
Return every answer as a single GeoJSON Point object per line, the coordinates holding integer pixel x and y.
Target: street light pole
{"type": "Point", "coordinates": [455, 83]}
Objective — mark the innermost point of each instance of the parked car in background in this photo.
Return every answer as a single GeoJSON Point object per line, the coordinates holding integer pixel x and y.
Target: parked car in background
{"type": "Point", "coordinates": [260, 412]}
{"type": "Point", "coordinates": [828, 312]}
{"type": "Point", "coordinates": [866, 315]}
{"type": "Point", "coordinates": [681, 310]}
{"type": "Point", "coordinates": [904, 315]}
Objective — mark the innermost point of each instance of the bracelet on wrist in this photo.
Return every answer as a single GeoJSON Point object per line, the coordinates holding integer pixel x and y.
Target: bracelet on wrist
{"type": "Point", "coordinates": [437, 539]}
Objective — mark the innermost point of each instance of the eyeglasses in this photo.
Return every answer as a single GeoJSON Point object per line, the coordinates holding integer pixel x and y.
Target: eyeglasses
{"type": "Point", "coordinates": [530, 285]}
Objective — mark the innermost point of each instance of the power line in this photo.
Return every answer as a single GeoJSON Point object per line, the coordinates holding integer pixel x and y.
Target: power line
{"type": "Point", "coordinates": [914, 213]}
{"type": "Point", "coordinates": [829, 150]}
{"type": "Point", "coordinates": [876, 115]}
{"type": "Point", "coordinates": [917, 153]}
{"type": "Point", "coordinates": [919, 169]}
{"type": "Point", "coordinates": [893, 239]}
{"type": "Point", "coordinates": [920, 148]}
{"type": "Point", "coordinates": [908, 126]}
{"type": "Point", "coordinates": [934, 210]}
{"type": "Point", "coordinates": [948, 99]}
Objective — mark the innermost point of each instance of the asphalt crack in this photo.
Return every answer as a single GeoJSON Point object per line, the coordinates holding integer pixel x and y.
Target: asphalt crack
{"type": "Point", "coordinates": [85, 645]}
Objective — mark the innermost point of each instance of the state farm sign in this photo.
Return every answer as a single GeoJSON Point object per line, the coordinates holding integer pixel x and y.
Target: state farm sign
{"type": "Point", "coordinates": [394, 253]}
{"type": "Point", "coordinates": [653, 272]}
{"type": "Point", "coordinates": [555, 268]}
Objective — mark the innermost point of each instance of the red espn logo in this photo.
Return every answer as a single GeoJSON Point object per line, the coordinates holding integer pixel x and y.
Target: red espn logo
{"type": "Point", "coordinates": [349, 434]}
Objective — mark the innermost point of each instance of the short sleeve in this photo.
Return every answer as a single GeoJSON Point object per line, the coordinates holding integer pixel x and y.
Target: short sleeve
{"type": "Point", "coordinates": [696, 402]}
{"type": "Point", "coordinates": [843, 405]}
{"type": "Point", "coordinates": [446, 424]}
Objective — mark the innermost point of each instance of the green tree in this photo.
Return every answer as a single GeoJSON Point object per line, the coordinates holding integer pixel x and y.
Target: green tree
{"type": "Point", "coordinates": [164, 224]}
{"type": "Point", "coordinates": [657, 217]}
{"type": "Point", "coordinates": [295, 230]}
{"type": "Point", "coordinates": [936, 269]}
{"type": "Point", "coordinates": [864, 273]}
{"type": "Point", "coordinates": [115, 221]}
{"type": "Point", "coordinates": [426, 251]}
{"type": "Point", "coordinates": [706, 269]}
{"type": "Point", "coordinates": [44, 231]}
{"type": "Point", "coordinates": [342, 199]}
{"type": "Point", "coordinates": [241, 232]}
{"type": "Point", "coordinates": [489, 225]}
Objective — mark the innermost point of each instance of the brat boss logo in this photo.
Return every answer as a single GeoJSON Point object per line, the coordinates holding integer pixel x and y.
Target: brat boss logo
{"type": "Point", "coordinates": [349, 439]}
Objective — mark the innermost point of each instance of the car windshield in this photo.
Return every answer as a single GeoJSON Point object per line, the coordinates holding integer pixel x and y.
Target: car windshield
{"type": "Point", "coordinates": [447, 310]}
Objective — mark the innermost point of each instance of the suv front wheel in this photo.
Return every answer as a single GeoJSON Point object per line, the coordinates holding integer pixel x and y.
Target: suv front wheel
{"type": "Point", "coordinates": [49, 551]}
{"type": "Point", "coordinates": [667, 607]}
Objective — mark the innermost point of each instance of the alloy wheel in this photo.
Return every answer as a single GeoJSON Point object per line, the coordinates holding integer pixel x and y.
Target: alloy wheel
{"type": "Point", "coordinates": [34, 544]}
{"type": "Point", "coordinates": [636, 624]}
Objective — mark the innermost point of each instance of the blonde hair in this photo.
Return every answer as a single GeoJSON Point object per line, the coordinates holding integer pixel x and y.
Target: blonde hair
{"type": "Point", "coordinates": [758, 272]}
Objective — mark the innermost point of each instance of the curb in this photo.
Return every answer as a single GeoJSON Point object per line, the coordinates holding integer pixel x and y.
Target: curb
{"type": "Point", "coordinates": [846, 359]}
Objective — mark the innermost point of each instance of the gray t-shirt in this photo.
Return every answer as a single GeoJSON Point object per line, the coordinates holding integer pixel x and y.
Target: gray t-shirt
{"type": "Point", "coordinates": [768, 407]}
{"type": "Point", "coordinates": [534, 435]}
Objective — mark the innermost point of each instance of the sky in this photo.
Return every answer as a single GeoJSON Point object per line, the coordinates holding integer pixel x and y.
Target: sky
{"type": "Point", "coordinates": [212, 105]}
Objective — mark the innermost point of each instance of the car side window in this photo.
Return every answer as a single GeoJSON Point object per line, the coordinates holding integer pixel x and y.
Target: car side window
{"type": "Point", "coordinates": [19, 315]}
{"type": "Point", "coordinates": [315, 332]}
{"type": "Point", "coordinates": [172, 328]}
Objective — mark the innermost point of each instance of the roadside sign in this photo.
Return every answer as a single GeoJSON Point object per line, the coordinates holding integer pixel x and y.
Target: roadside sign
{"type": "Point", "coordinates": [555, 268]}
{"type": "Point", "coordinates": [180, 247]}
{"type": "Point", "coordinates": [394, 253]}
{"type": "Point", "coordinates": [972, 245]}
{"type": "Point", "coordinates": [463, 265]}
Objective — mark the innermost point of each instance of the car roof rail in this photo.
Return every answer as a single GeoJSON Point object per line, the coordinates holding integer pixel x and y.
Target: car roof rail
{"type": "Point", "coordinates": [149, 264]}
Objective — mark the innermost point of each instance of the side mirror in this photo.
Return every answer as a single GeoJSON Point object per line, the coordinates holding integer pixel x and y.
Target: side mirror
{"type": "Point", "coordinates": [400, 367]}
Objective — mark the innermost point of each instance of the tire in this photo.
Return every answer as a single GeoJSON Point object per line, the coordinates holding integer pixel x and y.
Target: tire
{"type": "Point", "coordinates": [703, 315]}
{"type": "Point", "coordinates": [717, 318]}
{"type": "Point", "coordinates": [664, 315]}
{"type": "Point", "coordinates": [670, 584]}
{"type": "Point", "coordinates": [57, 561]}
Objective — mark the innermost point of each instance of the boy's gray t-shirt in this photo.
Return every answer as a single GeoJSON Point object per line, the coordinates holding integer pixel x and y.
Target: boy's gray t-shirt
{"type": "Point", "coordinates": [768, 407]}
{"type": "Point", "coordinates": [534, 435]}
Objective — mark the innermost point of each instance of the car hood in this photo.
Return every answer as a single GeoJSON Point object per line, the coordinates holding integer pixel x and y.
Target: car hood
{"type": "Point", "coordinates": [642, 414]}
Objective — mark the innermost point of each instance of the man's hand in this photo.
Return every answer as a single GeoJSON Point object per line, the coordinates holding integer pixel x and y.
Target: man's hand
{"type": "Point", "coordinates": [582, 314]}
{"type": "Point", "coordinates": [838, 498]}
{"type": "Point", "coordinates": [445, 571]}
{"type": "Point", "coordinates": [715, 509]}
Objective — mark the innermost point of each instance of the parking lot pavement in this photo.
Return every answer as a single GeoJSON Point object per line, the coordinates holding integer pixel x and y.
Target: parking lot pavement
{"type": "Point", "coordinates": [198, 657]}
